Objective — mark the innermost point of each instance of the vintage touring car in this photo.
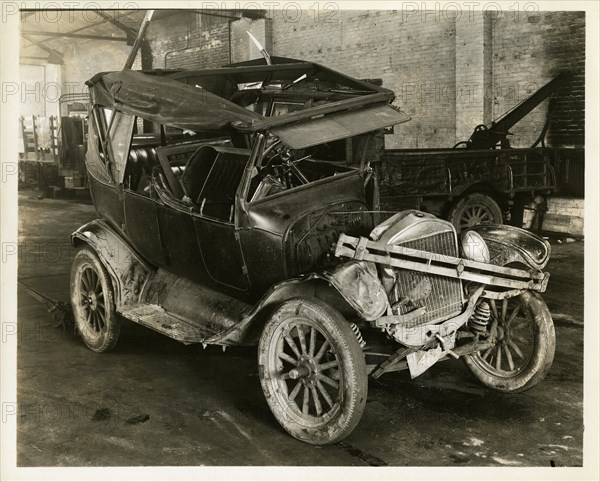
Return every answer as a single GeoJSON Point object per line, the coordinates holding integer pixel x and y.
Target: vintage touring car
{"type": "Point", "coordinates": [235, 206]}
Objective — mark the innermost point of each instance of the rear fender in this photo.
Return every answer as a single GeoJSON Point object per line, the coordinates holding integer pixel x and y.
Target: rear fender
{"type": "Point", "coordinates": [128, 272]}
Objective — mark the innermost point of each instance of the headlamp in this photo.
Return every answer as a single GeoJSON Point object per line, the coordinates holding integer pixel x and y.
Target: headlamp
{"type": "Point", "coordinates": [474, 247]}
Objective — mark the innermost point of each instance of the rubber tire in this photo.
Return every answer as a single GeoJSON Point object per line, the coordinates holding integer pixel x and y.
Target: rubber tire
{"type": "Point", "coordinates": [107, 339]}
{"type": "Point", "coordinates": [541, 358]}
{"type": "Point", "coordinates": [477, 198]}
{"type": "Point", "coordinates": [352, 361]}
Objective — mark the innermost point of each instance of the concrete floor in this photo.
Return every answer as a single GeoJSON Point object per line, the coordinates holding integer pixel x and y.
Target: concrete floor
{"type": "Point", "coordinates": [206, 407]}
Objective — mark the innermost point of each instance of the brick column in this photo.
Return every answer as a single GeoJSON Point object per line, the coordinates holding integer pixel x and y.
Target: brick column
{"type": "Point", "coordinates": [473, 72]}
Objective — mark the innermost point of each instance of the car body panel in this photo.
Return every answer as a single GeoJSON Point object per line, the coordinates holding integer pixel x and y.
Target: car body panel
{"type": "Point", "coordinates": [141, 221]}
{"type": "Point", "coordinates": [212, 315]}
{"type": "Point", "coordinates": [106, 201]}
{"type": "Point", "coordinates": [127, 269]}
{"type": "Point", "coordinates": [310, 132]}
{"type": "Point", "coordinates": [509, 244]}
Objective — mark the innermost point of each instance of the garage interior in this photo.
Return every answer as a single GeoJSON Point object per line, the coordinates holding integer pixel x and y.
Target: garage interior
{"type": "Point", "coordinates": [155, 401]}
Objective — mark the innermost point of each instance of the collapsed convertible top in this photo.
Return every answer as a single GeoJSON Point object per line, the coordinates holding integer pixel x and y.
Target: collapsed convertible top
{"type": "Point", "coordinates": [205, 100]}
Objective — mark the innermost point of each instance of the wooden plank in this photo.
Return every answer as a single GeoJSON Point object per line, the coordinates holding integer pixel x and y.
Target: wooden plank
{"type": "Point", "coordinates": [459, 268]}
{"type": "Point", "coordinates": [440, 270]}
{"type": "Point", "coordinates": [441, 258]}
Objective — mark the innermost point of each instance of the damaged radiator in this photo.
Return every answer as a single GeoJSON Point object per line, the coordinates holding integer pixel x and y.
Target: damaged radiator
{"type": "Point", "coordinates": [441, 297]}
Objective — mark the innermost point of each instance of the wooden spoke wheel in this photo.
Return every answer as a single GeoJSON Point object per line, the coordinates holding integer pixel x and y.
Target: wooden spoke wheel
{"type": "Point", "coordinates": [92, 302]}
{"type": "Point", "coordinates": [523, 332]}
{"type": "Point", "coordinates": [312, 371]}
{"type": "Point", "coordinates": [473, 210]}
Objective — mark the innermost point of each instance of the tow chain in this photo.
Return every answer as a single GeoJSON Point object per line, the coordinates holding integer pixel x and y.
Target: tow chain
{"type": "Point", "coordinates": [62, 313]}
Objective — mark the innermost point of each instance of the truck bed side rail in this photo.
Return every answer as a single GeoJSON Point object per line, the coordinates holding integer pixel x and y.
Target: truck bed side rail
{"type": "Point", "coordinates": [447, 172]}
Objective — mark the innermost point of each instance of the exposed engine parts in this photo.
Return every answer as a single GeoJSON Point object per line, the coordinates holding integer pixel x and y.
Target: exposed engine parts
{"type": "Point", "coordinates": [481, 316]}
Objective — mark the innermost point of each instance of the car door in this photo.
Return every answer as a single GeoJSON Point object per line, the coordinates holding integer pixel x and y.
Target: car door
{"type": "Point", "coordinates": [200, 239]}
{"type": "Point", "coordinates": [141, 205]}
{"type": "Point", "coordinates": [215, 223]}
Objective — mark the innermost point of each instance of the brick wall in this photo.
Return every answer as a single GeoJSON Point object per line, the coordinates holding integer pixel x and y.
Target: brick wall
{"type": "Point", "coordinates": [189, 41]}
{"type": "Point", "coordinates": [88, 57]}
{"type": "Point", "coordinates": [449, 72]}
{"type": "Point", "coordinates": [473, 56]}
{"type": "Point", "coordinates": [564, 215]}
{"type": "Point", "coordinates": [528, 51]}
{"type": "Point", "coordinates": [415, 58]}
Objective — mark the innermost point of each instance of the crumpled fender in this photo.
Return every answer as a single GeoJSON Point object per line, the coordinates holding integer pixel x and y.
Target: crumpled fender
{"type": "Point", "coordinates": [127, 270]}
{"type": "Point", "coordinates": [359, 284]}
{"type": "Point", "coordinates": [355, 281]}
{"type": "Point", "coordinates": [509, 244]}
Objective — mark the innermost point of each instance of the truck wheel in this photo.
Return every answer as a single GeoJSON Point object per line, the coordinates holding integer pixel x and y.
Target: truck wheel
{"type": "Point", "coordinates": [92, 302]}
{"type": "Point", "coordinates": [524, 348]}
{"type": "Point", "coordinates": [473, 210]}
{"type": "Point", "coordinates": [312, 371]}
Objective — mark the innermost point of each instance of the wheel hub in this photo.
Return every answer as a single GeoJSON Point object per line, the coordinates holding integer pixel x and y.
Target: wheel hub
{"type": "Point", "coordinates": [501, 333]}
{"type": "Point", "coordinates": [306, 371]}
{"type": "Point", "coordinates": [92, 300]}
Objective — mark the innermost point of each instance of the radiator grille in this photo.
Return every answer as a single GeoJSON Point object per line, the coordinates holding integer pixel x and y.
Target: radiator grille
{"type": "Point", "coordinates": [440, 296]}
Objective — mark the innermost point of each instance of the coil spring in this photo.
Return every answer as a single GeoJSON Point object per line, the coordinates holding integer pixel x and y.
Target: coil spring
{"type": "Point", "coordinates": [479, 320]}
{"type": "Point", "coordinates": [356, 330]}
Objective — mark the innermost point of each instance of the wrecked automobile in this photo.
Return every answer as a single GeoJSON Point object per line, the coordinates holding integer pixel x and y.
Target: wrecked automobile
{"type": "Point", "coordinates": [237, 206]}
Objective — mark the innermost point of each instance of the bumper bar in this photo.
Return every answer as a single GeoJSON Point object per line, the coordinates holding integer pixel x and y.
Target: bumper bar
{"type": "Point", "coordinates": [439, 264]}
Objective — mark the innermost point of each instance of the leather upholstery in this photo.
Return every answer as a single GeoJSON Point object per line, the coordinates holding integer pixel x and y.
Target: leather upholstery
{"type": "Point", "coordinates": [140, 162]}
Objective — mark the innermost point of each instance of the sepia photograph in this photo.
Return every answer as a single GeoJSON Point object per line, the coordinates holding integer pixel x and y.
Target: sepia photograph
{"type": "Point", "coordinates": [299, 240]}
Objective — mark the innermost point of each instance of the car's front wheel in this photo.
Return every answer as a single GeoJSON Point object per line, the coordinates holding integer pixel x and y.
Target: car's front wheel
{"type": "Point", "coordinates": [524, 344]}
{"type": "Point", "coordinates": [312, 371]}
{"type": "Point", "coordinates": [92, 301]}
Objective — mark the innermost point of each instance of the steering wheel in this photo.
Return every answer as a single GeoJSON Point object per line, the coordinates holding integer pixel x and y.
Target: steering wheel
{"type": "Point", "coordinates": [282, 162]}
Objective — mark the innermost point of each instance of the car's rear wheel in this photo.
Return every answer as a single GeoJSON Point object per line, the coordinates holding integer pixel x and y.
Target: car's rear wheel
{"type": "Point", "coordinates": [92, 302]}
{"type": "Point", "coordinates": [475, 209]}
{"type": "Point", "coordinates": [312, 371]}
{"type": "Point", "coordinates": [524, 345]}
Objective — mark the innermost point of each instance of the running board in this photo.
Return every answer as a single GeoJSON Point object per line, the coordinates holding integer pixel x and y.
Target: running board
{"type": "Point", "coordinates": [440, 264]}
{"type": "Point", "coordinates": [158, 319]}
